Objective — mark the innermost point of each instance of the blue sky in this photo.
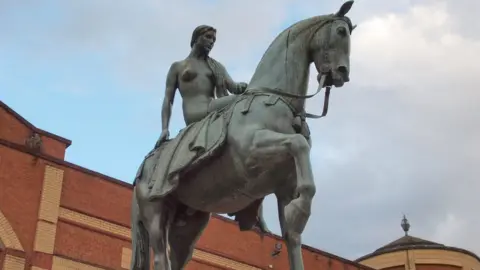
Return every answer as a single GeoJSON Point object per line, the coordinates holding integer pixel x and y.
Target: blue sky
{"type": "Point", "coordinates": [400, 137]}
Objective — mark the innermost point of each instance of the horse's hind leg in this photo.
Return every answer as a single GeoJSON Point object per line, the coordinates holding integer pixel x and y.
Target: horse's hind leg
{"type": "Point", "coordinates": [294, 213]}
{"type": "Point", "coordinates": [182, 239]}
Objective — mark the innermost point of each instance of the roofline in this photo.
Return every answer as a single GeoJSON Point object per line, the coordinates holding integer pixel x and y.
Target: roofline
{"type": "Point", "coordinates": [307, 247]}
{"type": "Point", "coordinates": [414, 247]}
{"type": "Point", "coordinates": [24, 121]}
{"type": "Point", "coordinates": [62, 162]}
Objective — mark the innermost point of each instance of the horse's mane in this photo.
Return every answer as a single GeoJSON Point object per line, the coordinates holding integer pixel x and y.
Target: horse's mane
{"type": "Point", "coordinates": [218, 76]}
{"type": "Point", "coordinates": [313, 23]}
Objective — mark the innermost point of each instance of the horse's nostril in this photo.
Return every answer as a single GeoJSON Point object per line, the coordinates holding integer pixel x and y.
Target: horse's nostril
{"type": "Point", "coordinates": [343, 70]}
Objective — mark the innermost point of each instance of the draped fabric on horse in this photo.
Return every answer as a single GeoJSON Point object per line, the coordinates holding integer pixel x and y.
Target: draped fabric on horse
{"type": "Point", "coordinates": [193, 145]}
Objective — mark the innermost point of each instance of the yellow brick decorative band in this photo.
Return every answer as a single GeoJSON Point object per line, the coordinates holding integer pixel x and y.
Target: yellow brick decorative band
{"type": "Point", "coordinates": [49, 209]}
{"type": "Point", "coordinates": [51, 192]}
{"type": "Point", "coordinates": [123, 231]}
{"type": "Point", "coordinates": [222, 261]}
{"type": "Point", "coordinates": [126, 258]}
{"type": "Point", "coordinates": [37, 268]}
{"type": "Point", "coordinates": [94, 222]}
{"type": "Point", "coordinates": [199, 255]}
{"type": "Point", "coordinates": [8, 235]}
{"type": "Point", "coordinates": [65, 264]}
{"type": "Point", "coordinates": [45, 237]}
{"type": "Point", "coordinates": [13, 263]}
{"type": "Point", "coordinates": [411, 260]}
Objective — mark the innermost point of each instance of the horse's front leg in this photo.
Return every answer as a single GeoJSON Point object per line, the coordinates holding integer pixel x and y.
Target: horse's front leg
{"type": "Point", "coordinates": [296, 212]}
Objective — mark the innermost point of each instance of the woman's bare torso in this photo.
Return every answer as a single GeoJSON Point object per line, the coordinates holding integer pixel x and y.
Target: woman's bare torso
{"type": "Point", "coordinates": [196, 86]}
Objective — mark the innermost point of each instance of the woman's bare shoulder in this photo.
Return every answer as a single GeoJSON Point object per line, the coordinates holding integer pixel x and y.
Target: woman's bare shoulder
{"type": "Point", "coordinates": [177, 65]}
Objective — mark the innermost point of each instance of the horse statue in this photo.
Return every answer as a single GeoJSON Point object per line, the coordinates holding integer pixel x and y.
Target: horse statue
{"type": "Point", "coordinates": [235, 157]}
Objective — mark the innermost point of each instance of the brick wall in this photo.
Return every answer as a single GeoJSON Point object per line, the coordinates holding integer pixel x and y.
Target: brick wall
{"type": "Point", "coordinates": [14, 128]}
{"type": "Point", "coordinates": [20, 191]}
{"type": "Point", "coordinates": [95, 196]}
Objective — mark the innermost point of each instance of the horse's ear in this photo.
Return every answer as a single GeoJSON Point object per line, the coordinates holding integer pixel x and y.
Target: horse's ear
{"type": "Point", "coordinates": [344, 9]}
{"type": "Point", "coordinates": [353, 28]}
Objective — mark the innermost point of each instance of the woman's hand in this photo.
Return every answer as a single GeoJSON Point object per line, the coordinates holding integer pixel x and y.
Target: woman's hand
{"type": "Point", "coordinates": [163, 137]}
{"type": "Point", "coordinates": [241, 87]}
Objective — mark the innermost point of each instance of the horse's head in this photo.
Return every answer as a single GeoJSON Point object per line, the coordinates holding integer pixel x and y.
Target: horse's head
{"type": "Point", "coordinates": [330, 48]}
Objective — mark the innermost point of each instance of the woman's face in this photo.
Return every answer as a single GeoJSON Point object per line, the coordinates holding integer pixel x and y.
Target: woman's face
{"type": "Point", "coordinates": [207, 40]}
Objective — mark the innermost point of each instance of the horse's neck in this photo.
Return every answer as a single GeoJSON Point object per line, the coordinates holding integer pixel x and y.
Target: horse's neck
{"type": "Point", "coordinates": [284, 69]}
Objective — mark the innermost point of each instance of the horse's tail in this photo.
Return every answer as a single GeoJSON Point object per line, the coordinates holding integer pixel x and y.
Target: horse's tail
{"type": "Point", "coordinates": [140, 245]}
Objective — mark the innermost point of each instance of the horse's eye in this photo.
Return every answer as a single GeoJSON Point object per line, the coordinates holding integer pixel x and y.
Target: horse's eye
{"type": "Point", "coordinates": [342, 31]}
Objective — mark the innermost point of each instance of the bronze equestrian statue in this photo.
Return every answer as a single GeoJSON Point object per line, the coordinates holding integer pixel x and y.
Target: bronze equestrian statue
{"type": "Point", "coordinates": [237, 149]}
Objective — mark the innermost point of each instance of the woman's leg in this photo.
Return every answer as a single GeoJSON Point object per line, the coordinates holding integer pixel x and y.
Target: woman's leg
{"type": "Point", "coordinates": [219, 103]}
{"type": "Point", "coordinates": [215, 104]}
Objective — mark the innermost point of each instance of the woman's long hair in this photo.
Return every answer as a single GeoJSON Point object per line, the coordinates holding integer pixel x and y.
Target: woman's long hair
{"type": "Point", "coordinates": [213, 64]}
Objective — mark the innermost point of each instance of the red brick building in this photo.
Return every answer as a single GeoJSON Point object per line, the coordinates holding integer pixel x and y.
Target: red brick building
{"type": "Point", "coordinates": [57, 215]}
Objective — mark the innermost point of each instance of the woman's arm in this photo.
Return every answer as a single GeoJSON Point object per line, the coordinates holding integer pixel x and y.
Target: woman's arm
{"type": "Point", "coordinates": [232, 86]}
{"type": "Point", "coordinates": [170, 89]}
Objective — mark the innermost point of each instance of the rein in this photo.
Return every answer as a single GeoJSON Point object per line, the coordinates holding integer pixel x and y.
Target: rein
{"type": "Point", "coordinates": [305, 114]}
{"type": "Point", "coordinates": [324, 70]}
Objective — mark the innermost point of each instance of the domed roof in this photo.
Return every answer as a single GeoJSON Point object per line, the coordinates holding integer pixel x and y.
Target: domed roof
{"type": "Point", "coordinates": [409, 242]}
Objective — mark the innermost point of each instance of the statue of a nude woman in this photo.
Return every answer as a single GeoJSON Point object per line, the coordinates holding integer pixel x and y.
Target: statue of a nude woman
{"type": "Point", "coordinates": [199, 79]}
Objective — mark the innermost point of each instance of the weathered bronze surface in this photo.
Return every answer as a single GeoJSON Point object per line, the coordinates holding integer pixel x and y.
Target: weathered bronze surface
{"type": "Point", "coordinates": [237, 148]}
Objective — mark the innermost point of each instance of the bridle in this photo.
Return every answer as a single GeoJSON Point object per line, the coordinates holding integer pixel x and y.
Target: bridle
{"type": "Point", "coordinates": [325, 70]}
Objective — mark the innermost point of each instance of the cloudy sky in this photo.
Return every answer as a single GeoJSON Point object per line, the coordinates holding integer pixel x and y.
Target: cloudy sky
{"type": "Point", "coordinates": [401, 137]}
